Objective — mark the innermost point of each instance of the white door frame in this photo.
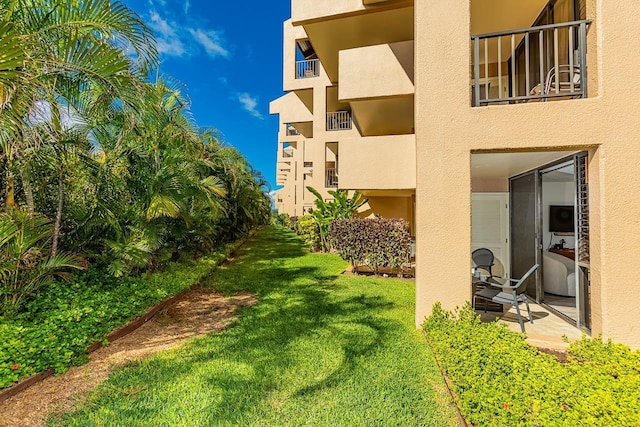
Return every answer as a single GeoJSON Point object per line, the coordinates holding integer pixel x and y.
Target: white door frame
{"type": "Point", "coordinates": [503, 198]}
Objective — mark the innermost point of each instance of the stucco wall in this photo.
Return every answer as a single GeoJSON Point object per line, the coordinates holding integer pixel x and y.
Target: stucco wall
{"type": "Point", "coordinates": [448, 130]}
{"type": "Point", "coordinates": [390, 207]}
{"type": "Point", "coordinates": [382, 162]}
{"type": "Point", "coordinates": [361, 70]}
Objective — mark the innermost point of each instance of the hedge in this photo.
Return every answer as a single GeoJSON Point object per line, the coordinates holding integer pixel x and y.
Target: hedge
{"type": "Point", "coordinates": [306, 226]}
{"type": "Point", "coordinates": [500, 380]}
{"type": "Point", "coordinates": [376, 242]}
{"type": "Point", "coordinates": [55, 329]}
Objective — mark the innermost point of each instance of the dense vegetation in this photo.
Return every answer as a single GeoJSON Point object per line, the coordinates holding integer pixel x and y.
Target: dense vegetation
{"type": "Point", "coordinates": [314, 227]}
{"type": "Point", "coordinates": [320, 348]}
{"type": "Point", "coordinates": [54, 329]}
{"type": "Point", "coordinates": [101, 170]}
{"type": "Point", "coordinates": [500, 380]}
{"type": "Point", "coordinates": [99, 166]}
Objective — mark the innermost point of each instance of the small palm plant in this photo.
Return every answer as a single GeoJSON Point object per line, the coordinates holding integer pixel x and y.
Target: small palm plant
{"type": "Point", "coordinates": [26, 265]}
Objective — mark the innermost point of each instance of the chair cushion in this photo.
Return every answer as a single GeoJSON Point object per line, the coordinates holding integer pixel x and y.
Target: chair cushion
{"type": "Point", "coordinates": [496, 295]}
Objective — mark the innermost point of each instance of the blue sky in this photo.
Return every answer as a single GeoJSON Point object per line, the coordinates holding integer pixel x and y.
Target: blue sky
{"type": "Point", "coordinates": [229, 56]}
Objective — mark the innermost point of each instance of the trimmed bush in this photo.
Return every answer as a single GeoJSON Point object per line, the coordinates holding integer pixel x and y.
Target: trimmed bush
{"type": "Point", "coordinates": [500, 380]}
{"type": "Point", "coordinates": [306, 226]}
{"type": "Point", "coordinates": [376, 242]}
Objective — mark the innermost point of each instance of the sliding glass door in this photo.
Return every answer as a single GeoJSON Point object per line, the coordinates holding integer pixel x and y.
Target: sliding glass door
{"type": "Point", "coordinates": [525, 219]}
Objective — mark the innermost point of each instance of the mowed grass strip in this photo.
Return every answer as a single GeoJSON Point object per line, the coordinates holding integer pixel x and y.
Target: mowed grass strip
{"type": "Point", "coordinates": [319, 349]}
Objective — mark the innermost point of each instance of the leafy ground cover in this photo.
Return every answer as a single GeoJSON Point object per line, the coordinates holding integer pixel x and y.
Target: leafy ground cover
{"type": "Point", "coordinates": [319, 348]}
{"type": "Point", "coordinates": [500, 380]}
{"type": "Point", "coordinates": [54, 330]}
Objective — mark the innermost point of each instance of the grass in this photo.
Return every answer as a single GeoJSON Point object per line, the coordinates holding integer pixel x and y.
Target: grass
{"type": "Point", "coordinates": [320, 349]}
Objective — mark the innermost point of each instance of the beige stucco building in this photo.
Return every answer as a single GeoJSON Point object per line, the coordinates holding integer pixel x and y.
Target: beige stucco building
{"type": "Point", "coordinates": [487, 123]}
{"type": "Point", "coordinates": [338, 129]}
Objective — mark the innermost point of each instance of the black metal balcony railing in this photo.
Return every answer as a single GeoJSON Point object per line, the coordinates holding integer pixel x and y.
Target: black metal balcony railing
{"type": "Point", "coordinates": [307, 164]}
{"type": "Point", "coordinates": [331, 178]}
{"type": "Point", "coordinates": [339, 120]}
{"type": "Point", "coordinates": [291, 131]}
{"type": "Point", "coordinates": [544, 62]}
{"type": "Point", "coordinates": [307, 69]}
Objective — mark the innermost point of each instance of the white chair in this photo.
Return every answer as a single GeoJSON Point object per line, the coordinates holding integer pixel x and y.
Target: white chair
{"type": "Point", "coordinates": [561, 79]}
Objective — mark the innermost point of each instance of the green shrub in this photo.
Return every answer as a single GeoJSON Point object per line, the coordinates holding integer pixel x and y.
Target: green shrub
{"type": "Point", "coordinates": [26, 263]}
{"type": "Point", "coordinates": [500, 380]}
{"type": "Point", "coordinates": [54, 330]}
{"type": "Point", "coordinates": [307, 227]}
{"type": "Point", "coordinates": [377, 242]}
{"type": "Point", "coordinates": [281, 219]}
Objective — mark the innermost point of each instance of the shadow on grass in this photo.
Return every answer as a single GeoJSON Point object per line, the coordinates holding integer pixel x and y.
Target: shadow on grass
{"type": "Point", "coordinates": [310, 333]}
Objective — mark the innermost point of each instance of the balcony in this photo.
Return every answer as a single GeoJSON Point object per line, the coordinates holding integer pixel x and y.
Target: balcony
{"type": "Point", "coordinates": [331, 178]}
{"type": "Point", "coordinates": [380, 109]}
{"type": "Point", "coordinates": [535, 64]}
{"type": "Point", "coordinates": [336, 25]}
{"type": "Point", "coordinates": [308, 68]}
{"type": "Point", "coordinates": [291, 131]}
{"type": "Point", "coordinates": [287, 154]}
{"type": "Point", "coordinates": [339, 120]}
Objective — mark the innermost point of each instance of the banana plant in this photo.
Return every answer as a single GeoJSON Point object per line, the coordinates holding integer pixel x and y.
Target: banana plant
{"type": "Point", "coordinates": [341, 207]}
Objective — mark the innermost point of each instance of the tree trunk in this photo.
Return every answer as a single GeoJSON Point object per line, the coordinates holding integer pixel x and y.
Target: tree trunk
{"type": "Point", "coordinates": [11, 202]}
{"type": "Point", "coordinates": [57, 223]}
{"type": "Point", "coordinates": [28, 194]}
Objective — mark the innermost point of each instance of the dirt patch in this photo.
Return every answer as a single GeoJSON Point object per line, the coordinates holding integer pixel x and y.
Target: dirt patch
{"type": "Point", "coordinates": [198, 312]}
{"type": "Point", "coordinates": [561, 356]}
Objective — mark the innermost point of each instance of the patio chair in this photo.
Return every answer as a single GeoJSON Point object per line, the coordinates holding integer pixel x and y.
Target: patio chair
{"type": "Point", "coordinates": [562, 78]}
{"type": "Point", "coordinates": [483, 259]}
{"type": "Point", "coordinates": [509, 294]}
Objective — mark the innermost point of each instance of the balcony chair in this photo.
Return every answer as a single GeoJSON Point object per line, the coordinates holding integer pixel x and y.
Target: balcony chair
{"type": "Point", "coordinates": [561, 78]}
{"type": "Point", "coordinates": [512, 295]}
{"type": "Point", "coordinates": [483, 259]}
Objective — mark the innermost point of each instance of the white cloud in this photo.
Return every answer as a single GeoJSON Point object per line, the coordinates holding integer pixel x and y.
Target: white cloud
{"type": "Point", "coordinates": [210, 41]}
{"type": "Point", "coordinates": [250, 103]}
{"type": "Point", "coordinates": [168, 41]}
{"type": "Point", "coordinates": [177, 39]}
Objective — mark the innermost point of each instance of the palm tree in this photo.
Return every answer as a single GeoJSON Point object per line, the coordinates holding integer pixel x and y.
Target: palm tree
{"type": "Point", "coordinates": [57, 52]}
{"type": "Point", "coordinates": [25, 266]}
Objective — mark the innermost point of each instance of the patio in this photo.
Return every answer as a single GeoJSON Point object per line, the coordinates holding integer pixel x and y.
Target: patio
{"type": "Point", "coordinates": [547, 330]}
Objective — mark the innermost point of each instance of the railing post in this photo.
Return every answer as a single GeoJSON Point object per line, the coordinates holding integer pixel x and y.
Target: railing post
{"type": "Point", "coordinates": [476, 70]}
{"type": "Point", "coordinates": [584, 78]}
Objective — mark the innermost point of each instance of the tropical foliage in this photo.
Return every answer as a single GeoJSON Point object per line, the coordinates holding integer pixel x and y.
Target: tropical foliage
{"type": "Point", "coordinates": [55, 329]}
{"type": "Point", "coordinates": [96, 160]}
{"type": "Point", "coordinates": [341, 207]}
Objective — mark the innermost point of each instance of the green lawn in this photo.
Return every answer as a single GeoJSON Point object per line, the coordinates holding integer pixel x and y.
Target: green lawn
{"type": "Point", "coordinates": [320, 349]}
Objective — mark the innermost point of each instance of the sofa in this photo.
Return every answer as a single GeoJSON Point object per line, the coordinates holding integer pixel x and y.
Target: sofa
{"type": "Point", "coordinates": [558, 274]}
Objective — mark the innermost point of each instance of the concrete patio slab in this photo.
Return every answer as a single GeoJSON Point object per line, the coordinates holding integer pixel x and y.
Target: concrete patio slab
{"type": "Point", "coordinates": [547, 330]}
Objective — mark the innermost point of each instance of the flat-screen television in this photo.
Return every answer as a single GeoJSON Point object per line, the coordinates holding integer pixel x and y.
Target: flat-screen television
{"type": "Point", "coordinates": [561, 219]}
